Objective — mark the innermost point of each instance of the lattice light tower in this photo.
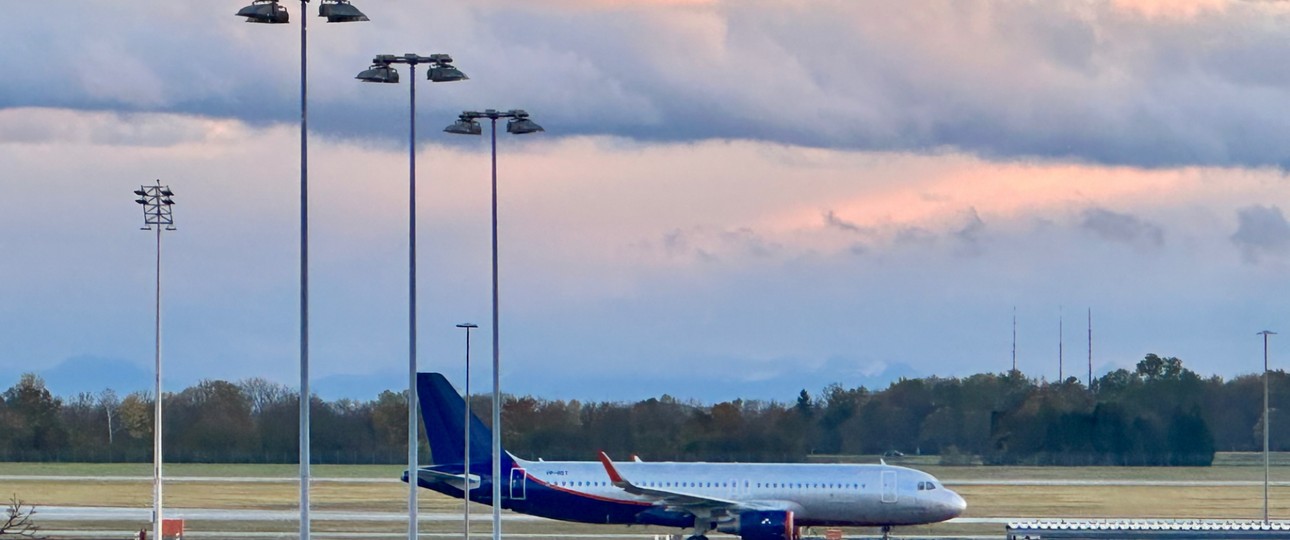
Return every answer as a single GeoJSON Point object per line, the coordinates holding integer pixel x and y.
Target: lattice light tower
{"type": "Point", "coordinates": [158, 202]}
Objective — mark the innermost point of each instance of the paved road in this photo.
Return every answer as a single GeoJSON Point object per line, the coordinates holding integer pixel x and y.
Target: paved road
{"type": "Point", "coordinates": [142, 515]}
{"type": "Point", "coordinates": [114, 513]}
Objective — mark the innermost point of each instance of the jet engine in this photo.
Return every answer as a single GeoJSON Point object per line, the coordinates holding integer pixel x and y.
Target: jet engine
{"type": "Point", "coordinates": [758, 525]}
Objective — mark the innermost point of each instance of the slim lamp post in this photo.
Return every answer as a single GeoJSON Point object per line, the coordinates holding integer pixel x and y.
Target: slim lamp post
{"type": "Point", "coordinates": [465, 511]}
{"type": "Point", "coordinates": [270, 12]}
{"type": "Point", "coordinates": [518, 124]}
{"type": "Point", "coordinates": [381, 71]}
{"type": "Point", "coordinates": [1266, 419]}
{"type": "Point", "coordinates": [157, 202]}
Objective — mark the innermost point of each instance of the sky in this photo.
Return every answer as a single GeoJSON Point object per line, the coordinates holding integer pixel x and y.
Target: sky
{"type": "Point", "coordinates": [732, 198]}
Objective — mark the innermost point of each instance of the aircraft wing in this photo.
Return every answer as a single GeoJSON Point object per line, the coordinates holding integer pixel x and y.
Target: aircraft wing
{"type": "Point", "coordinates": [673, 499]}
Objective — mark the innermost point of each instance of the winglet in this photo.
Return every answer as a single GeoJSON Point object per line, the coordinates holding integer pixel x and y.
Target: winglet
{"type": "Point", "coordinates": [609, 468]}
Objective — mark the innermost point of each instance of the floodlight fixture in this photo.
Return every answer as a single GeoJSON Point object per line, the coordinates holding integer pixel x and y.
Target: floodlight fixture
{"type": "Point", "coordinates": [521, 125]}
{"type": "Point", "coordinates": [340, 11]}
{"type": "Point", "coordinates": [465, 126]}
{"type": "Point", "coordinates": [441, 69]}
{"type": "Point", "coordinates": [265, 11]}
{"type": "Point", "coordinates": [379, 73]}
{"type": "Point", "coordinates": [445, 72]}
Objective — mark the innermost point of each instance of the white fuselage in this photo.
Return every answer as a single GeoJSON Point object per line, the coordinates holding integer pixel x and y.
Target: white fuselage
{"type": "Point", "coordinates": [816, 493]}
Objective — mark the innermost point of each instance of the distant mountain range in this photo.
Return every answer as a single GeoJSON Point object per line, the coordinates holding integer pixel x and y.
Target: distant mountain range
{"type": "Point", "coordinates": [93, 374]}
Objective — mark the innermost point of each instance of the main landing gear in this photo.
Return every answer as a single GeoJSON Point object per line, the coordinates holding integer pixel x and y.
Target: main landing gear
{"type": "Point", "coordinates": [886, 532]}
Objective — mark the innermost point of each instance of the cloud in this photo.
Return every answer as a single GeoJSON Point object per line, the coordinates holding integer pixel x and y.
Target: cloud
{"type": "Point", "coordinates": [1261, 233]}
{"type": "Point", "coordinates": [666, 255]}
{"type": "Point", "coordinates": [1171, 9]}
{"type": "Point", "coordinates": [969, 236]}
{"type": "Point", "coordinates": [1132, 82]}
{"type": "Point", "coordinates": [832, 220]}
{"type": "Point", "coordinates": [1122, 228]}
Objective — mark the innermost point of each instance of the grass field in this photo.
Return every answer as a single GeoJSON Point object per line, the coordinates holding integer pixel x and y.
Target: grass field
{"type": "Point", "coordinates": [381, 495]}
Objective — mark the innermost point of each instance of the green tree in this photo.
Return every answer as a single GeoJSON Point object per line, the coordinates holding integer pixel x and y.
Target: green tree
{"type": "Point", "coordinates": [34, 416]}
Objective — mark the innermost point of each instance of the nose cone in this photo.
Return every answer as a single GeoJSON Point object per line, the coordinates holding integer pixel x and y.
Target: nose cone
{"type": "Point", "coordinates": [954, 505]}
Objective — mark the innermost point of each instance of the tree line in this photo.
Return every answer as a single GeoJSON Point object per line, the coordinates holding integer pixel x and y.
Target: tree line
{"type": "Point", "coordinates": [1158, 414]}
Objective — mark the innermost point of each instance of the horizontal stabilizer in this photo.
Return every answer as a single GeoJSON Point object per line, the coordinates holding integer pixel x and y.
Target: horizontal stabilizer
{"type": "Point", "coordinates": [455, 480]}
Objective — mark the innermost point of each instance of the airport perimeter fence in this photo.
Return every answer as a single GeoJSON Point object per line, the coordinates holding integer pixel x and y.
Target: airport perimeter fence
{"type": "Point", "coordinates": [318, 457]}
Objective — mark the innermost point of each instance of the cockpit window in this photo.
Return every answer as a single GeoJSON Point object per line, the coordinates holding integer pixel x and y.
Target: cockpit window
{"type": "Point", "coordinates": [926, 486]}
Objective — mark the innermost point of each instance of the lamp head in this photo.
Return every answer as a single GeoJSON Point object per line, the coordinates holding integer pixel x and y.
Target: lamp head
{"type": "Point", "coordinates": [445, 72]}
{"type": "Point", "coordinates": [519, 124]}
{"type": "Point", "coordinates": [464, 126]}
{"type": "Point", "coordinates": [340, 11]}
{"type": "Point", "coordinates": [380, 72]}
{"type": "Point", "coordinates": [265, 11]}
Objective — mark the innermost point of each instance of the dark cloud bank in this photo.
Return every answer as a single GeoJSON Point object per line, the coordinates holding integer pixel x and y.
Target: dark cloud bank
{"type": "Point", "coordinates": [1063, 80]}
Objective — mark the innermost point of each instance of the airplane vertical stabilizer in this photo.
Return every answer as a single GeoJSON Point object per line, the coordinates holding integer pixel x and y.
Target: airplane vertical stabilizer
{"type": "Point", "coordinates": [443, 412]}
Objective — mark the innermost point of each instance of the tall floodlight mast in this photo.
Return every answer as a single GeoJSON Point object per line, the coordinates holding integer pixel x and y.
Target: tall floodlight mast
{"type": "Point", "coordinates": [157, 201]}
{"type": "Point", "coordinates": [270, 12]}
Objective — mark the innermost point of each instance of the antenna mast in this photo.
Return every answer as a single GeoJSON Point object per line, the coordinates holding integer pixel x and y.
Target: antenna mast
{"type": "Point", "coordinates": [1060, 374]}
{"type": "Point", "coordinates": [1014, 338]}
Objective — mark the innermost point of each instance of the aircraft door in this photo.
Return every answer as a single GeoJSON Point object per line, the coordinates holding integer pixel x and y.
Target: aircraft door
{"type": "Point", "coordinates": [519, 488]}
{"type": "Point", "coordinates": [889, 486]}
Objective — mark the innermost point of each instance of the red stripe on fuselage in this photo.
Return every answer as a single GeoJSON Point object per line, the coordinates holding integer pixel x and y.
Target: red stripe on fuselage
{"type": "Point", "coordinates": [582, 494]}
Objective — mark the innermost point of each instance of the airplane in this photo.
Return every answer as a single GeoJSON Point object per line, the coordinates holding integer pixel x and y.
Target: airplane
{"type": "Point", "coordinates": [755, 501]}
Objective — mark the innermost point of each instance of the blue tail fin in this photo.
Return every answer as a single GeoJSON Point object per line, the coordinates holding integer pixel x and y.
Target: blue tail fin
{"type": "Point", "coordinates": [443, 411]}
